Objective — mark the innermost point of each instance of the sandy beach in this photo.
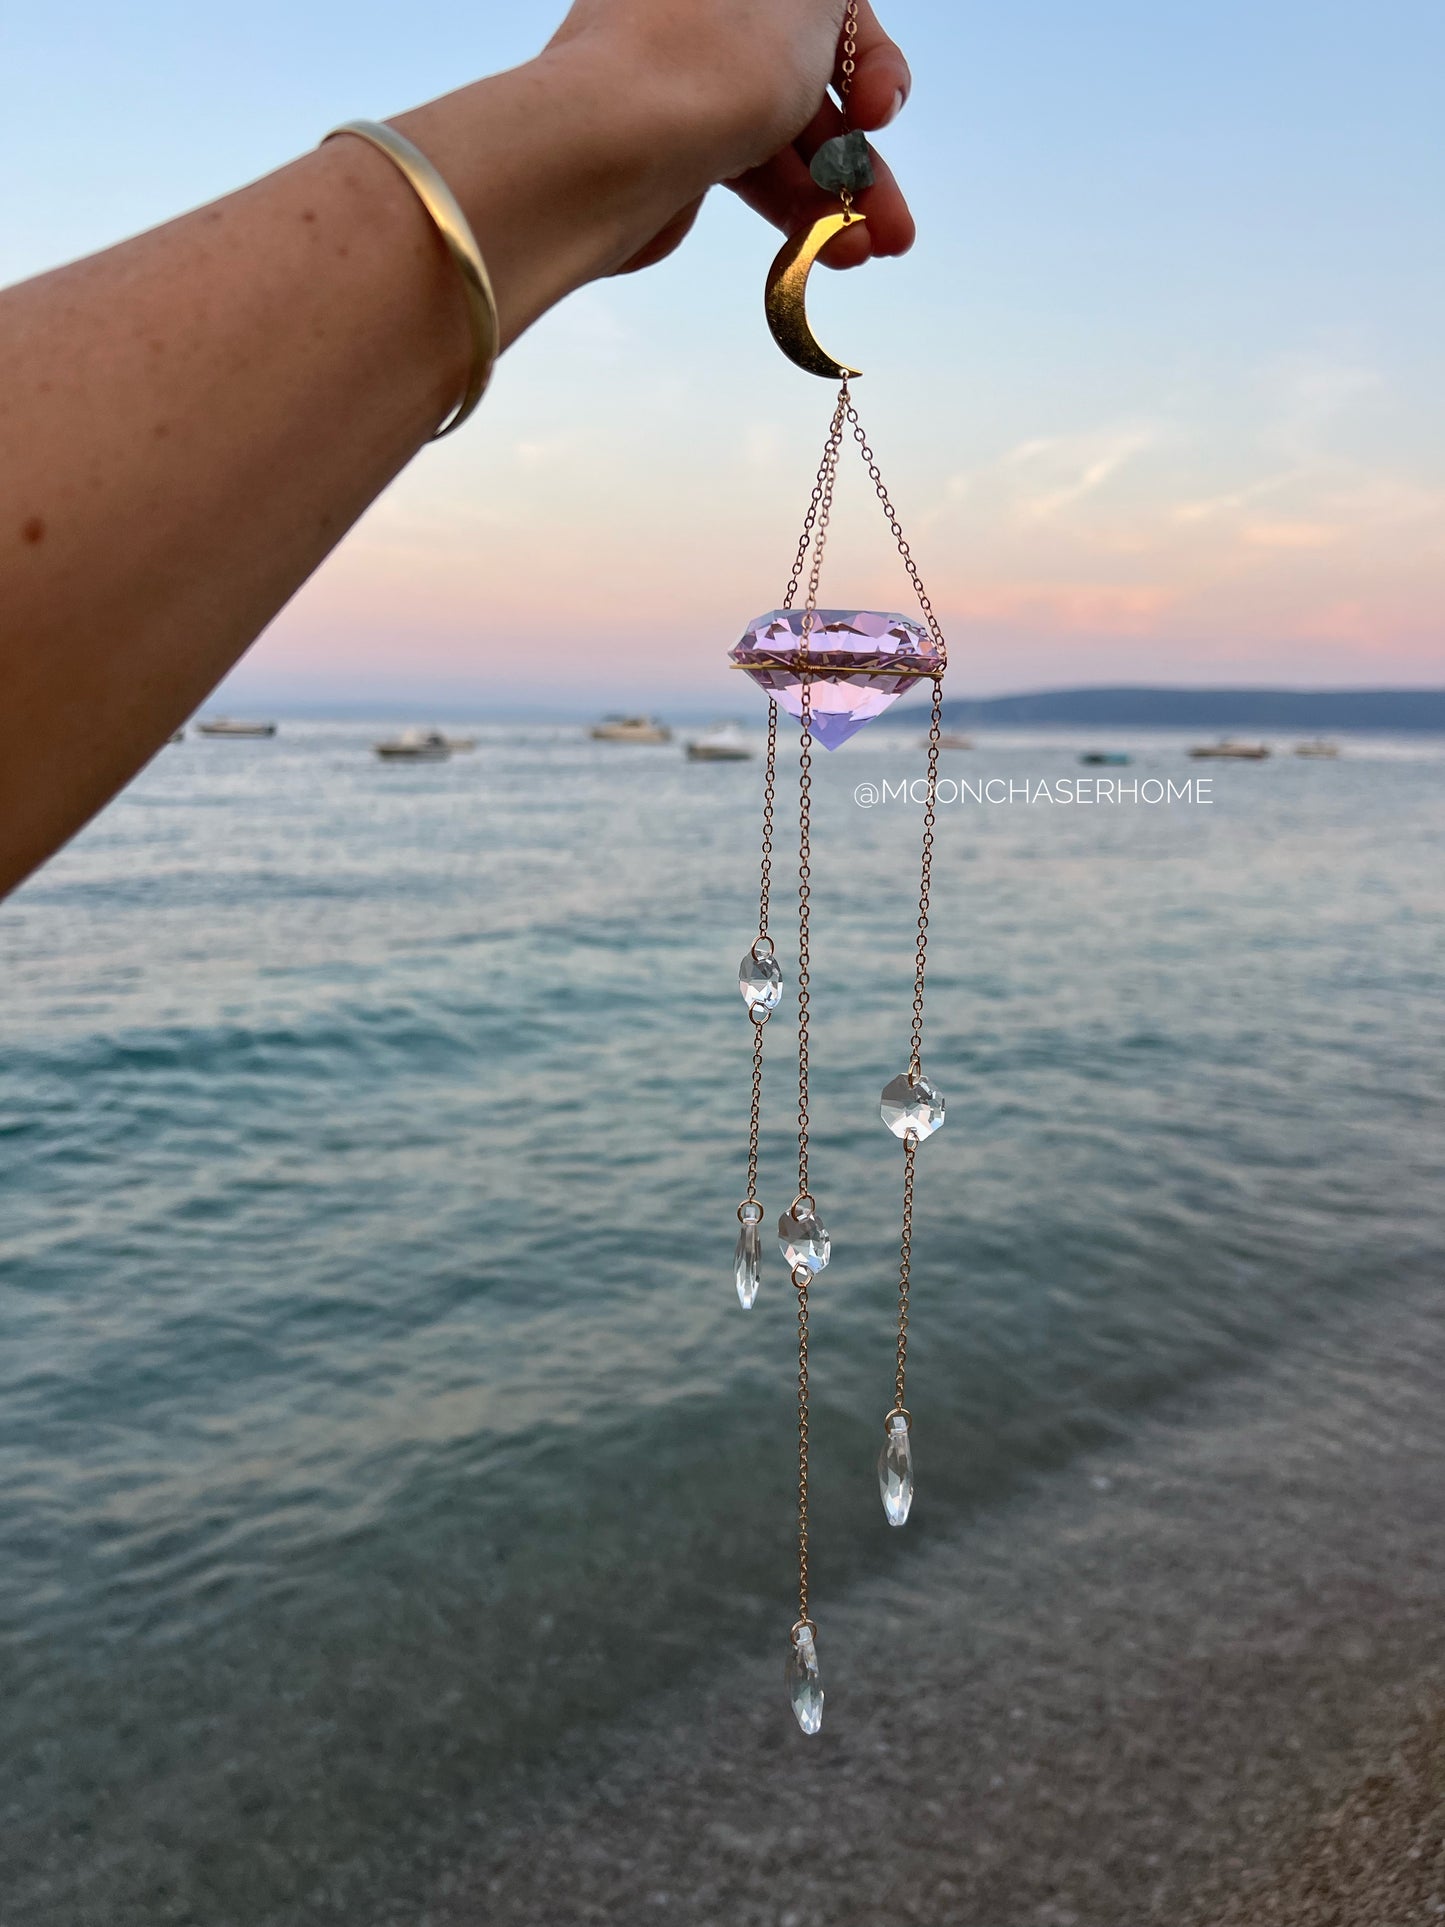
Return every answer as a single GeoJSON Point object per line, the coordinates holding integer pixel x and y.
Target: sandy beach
{"type": "Point", "coordinates": [1203, 1687]}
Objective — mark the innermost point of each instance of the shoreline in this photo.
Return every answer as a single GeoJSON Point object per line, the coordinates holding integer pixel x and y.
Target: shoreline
{"type": "Point", "coordinates": [1135, 1695]}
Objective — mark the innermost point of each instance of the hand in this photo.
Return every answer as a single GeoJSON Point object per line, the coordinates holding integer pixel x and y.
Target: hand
{"type": "Point", "coordinates": [748, 81]}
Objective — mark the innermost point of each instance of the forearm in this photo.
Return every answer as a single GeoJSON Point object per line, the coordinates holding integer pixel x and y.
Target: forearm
{"type": "Point", "coordinates": [190, 422]}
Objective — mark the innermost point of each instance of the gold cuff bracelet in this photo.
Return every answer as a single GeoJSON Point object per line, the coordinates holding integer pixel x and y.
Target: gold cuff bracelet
{"type": "Point", "coordinates": [441, 204]}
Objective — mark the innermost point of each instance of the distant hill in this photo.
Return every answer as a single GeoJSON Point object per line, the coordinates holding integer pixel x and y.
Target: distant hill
{"type": "Point", "coordinates": [1137, 708]}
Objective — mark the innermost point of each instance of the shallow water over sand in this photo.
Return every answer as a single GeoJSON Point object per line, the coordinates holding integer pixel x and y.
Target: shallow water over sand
{"type": "Point", "coordinates": [377, 1408]}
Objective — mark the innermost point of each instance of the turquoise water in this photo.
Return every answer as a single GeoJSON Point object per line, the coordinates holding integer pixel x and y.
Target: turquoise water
{"type": "Point", "coordinates": [376, 1412]}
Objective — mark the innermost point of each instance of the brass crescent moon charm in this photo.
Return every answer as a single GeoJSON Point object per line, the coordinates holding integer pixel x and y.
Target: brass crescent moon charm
{"type": "Point", "coordinates": [785, 297]}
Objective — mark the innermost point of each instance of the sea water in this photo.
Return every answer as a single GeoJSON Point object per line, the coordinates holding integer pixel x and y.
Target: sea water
{"type": "Point", "coordinates": [377, 1414]}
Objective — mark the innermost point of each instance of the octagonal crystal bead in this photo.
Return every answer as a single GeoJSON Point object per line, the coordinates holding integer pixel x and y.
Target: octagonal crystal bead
{"type": "Point", "coordinates": [911, 1104]}
{"type": "Point", "coordinates": [803, 1241]}
{"type": "Point", "coordinates": [760, 979]}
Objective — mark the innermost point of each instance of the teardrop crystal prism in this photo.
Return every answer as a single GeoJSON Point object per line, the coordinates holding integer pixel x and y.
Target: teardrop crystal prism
{"type": "Point", "coordinates": [760, 979]}
{"type": "Point", "coordinates": [805, 1686]}
{"type": "Point", "coordinates": [803, 1241]}
{"type": "Point", "coordinates": [895, 1471]}
{"type": "Point", "coordinates": [911, 1104]}
{"type": "Point", "coordinates": [748, 1262]}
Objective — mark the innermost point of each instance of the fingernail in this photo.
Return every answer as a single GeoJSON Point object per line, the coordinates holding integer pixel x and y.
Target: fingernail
{"type": "Point", "coordinates": [894, 110]}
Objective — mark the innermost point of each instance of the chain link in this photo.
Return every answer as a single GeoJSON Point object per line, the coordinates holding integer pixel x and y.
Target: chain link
{"type": "Point", "coordinates": [770, 771]}
{"type": "Point", "coordinates": [807, 536]}
{"type": "Point", "coordinates": [753, 1127]}
{"type": "Point", "coordinates": [925, 877]}
{"type": "Point", "coordinates": [915, 1060]}
{"type": "Point", "coordinates": [870, 462]}
{"type": "Point", "coordinates": [805, 900]}
{"type": "Point", "coordinates": [905, 1262]}
{"type": "Point", "coordinates": [803, 1455]}
{"type": "Point", "coordinates": [816, 536]}
{"type": "Point", "coordinates": [845, 80]}
{"type": "Point", "coordinates": [819, 507]}
{"type": "Point", "coordinates": [764, 891]}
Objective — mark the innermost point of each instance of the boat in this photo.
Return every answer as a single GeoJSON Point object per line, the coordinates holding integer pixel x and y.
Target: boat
{"type": "Point", "coordinates": [630, 729]}
{"type": "Point", "coordinates": [415, 746]}
{"type": "Point", "coordinates": [951, 740]}
{"type": "Point", "coordinates": [460, 745]}
{"type": "Point", "coordinates": [229, 726]}
{"type": "Point", "coordinates": [1317, 748]}
{"type": "Point", "coordinates": [723, 743]}
{"type": "Point", "coordinates": [1105, 759]}
{"type": "Point", "coordinates": [1228, 752]}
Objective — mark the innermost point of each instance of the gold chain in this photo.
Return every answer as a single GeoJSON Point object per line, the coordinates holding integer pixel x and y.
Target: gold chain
{"type": "Point", "coordinates": [915, 1059]}
{"type": "Point", "coordinates": [805, 897]}
{"type": "Point", "coordinates": [900, 1380]}
{"type": "Point", "coordinates": [752, 1196]}
{"type": "Point", "coordinates": [811, 546]}
{"type": "Point", "coordinates": [816, 535]}
{"type": "Point", "coordinates": [765, 882]}
{"type": "Point", "coordinates": [845, 81]}
{"type": "Point", "coordinates": [925, 876]}
{"type": "Point", "coordinates": [803, 1455]}
{"type": "Point", "coordinates": [762, 942]}
{"type": "Point", "coordinates": [805, 539]}
{"type": "Point", "coordinates": [819, 506]}
{"type": "Point", "coordinates": [870, 461]}
{"type": "Point", "coordinates": [801, 1275]}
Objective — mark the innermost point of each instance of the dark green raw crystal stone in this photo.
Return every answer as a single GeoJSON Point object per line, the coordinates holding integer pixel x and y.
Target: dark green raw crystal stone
{"type": "Point", "coordinates": [843, 165]}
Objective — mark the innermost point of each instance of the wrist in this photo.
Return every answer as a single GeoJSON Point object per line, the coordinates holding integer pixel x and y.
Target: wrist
{"type": "Point", "coordinates": [564, 167]}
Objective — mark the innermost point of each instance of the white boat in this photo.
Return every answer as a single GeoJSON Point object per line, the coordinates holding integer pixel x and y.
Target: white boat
{"type": "Point", "coordinates": [630, 729]}
{"type": "Point", "coordinates": [415, 746]}
{"type": "Point", "coordinates": [1228, 752]}
{"type": "Point", "coordinates": [1318, 748]}
{"type": "Point", "coordinates": [228, 726]}
{"type": "Point", "coordinates": [723, 743]}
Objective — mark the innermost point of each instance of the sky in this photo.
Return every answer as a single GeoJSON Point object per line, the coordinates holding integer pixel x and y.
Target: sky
{"type": "Point", "coordinates": [1160, 393]}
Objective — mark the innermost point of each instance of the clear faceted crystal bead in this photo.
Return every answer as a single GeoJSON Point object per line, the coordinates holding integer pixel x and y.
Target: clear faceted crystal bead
{"type": "Point", "coordinates": [805, 1686]}
{"type": "Point", "coordinates": [803, 1241]}
{"type": "Point", "coordinates": [895, 1471]}
{"type": "Point", "coordinates": [911, 1104]}
{"type": "Point", "coordinates": [760, 979]}
{"type": "Point", "coordinates": [748, 1261]}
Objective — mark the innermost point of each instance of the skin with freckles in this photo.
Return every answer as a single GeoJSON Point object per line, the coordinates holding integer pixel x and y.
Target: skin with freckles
{"type": "Point", "coordinates": [190, 421]}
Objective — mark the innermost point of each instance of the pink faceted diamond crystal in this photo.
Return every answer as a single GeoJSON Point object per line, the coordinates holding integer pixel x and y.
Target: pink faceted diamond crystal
{"type": "Point", "coordinates": [858, 663]}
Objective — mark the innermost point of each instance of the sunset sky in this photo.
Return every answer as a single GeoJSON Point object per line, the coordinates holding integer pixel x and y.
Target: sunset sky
{"type": "Point", "coordinates": [1160, 393]}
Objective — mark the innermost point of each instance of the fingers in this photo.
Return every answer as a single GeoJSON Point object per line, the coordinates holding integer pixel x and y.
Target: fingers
{"type": "Point", "coordinates": [881, 79]}
{"type": "Point", "coordinates": [784, 192]}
